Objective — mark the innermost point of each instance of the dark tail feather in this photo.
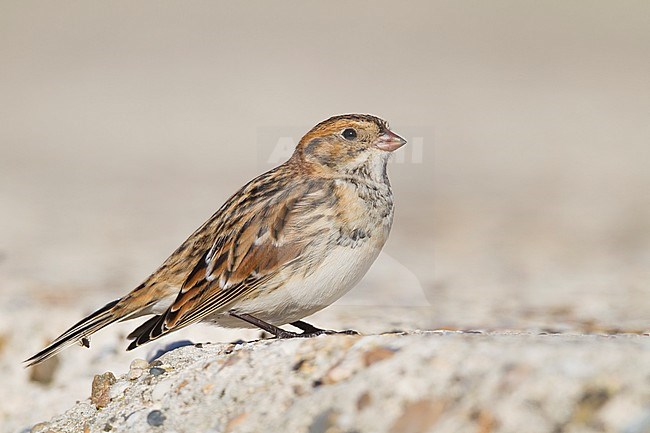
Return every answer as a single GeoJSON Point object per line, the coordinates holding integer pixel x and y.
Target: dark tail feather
{"type": "Point", "coordinates": [143, 328]}
{"type": "Point", "coordinates": [149, 330]}
{"type": "Point", "coordinates": [77, 333]}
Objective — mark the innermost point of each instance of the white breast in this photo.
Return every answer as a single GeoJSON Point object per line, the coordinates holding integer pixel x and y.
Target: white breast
{"type": "Point", "coordinates": [302, 296]}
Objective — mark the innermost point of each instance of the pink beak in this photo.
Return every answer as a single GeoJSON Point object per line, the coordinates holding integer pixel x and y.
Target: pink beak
{"type": "Point", "coordinates": [389, 141]}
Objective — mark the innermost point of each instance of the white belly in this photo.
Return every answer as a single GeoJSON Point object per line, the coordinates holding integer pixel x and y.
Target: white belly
{"type": "Point", "coordinates": [300, 297]}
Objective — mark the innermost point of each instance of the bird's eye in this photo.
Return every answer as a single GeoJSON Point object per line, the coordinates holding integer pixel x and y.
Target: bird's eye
{"type": "Point", "coordinates": [349, 134]}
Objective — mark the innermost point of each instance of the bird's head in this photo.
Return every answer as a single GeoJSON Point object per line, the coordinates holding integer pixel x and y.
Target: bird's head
{"type": "Point", "coordinates": [349, 143]}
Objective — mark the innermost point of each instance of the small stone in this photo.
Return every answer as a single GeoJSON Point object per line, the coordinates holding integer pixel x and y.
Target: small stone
{"type": "Point", "coordinates": [338, 374]}
{"type": "Point", "coordinates": [39, 427]}
{"type": "Point", "coordinates": [376, 355]}
{"type": "Point", "coordinates": [485, 421]}
{"type": "Point", "coordinates": [134, 373]}
{"type": "Point", "coordinates": [183, 384]}
{"type": "Point", "coordinates": [590, 403]}
{"type": "Point", "coordinates": [418, 416]}
{"type": "Point", "coordinates": [363, 401]}
{"type": "Point", "coordinates": [100, 394]}
{"type": "Point", "coordinates": [324, 422]}
{"type": "Point", "coordinates": [155, 418]}
{"type": "Point", "coordinates": [108, 426]}
{"type": "Point", "coordinates": [139, 364]}
{"type": "Point", "coordinates": [137, 367]}
{"type": "Point", "coordinates": [234, 422]}
{"type": "Point", "coordinates": [298, 365]}
{"type": "Point", "coordinates": [156, 371]}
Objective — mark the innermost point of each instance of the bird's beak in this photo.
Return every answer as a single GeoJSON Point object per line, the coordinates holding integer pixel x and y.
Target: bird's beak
{"type": "Point", "coordinates": [389, 141]}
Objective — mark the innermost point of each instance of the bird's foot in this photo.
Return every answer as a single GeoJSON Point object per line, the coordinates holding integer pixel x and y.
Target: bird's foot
{"type": "Point", "coordinates": [307, 329]}
{"type": "Point", "coordinates": [281, 334]}
{"type": "Point", "coordinates": [312, 331]}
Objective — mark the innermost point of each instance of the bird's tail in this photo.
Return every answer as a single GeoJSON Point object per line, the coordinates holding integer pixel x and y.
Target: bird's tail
{"type": "Point", "coordinates": [78, 333]}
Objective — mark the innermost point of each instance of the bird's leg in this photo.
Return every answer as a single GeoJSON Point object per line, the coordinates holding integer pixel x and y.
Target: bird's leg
{"type": "Point", "coordinates": [271, 329]}
{"type": "Point", "coordinates": [312, 331]}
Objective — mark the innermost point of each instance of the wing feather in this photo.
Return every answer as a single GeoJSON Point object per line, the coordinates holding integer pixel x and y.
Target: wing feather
{"type": "Point", "coordinates": [250, 248]}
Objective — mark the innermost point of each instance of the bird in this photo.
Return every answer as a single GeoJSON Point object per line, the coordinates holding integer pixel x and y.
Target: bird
{"type": "Point", "coordinates": [286, 245]}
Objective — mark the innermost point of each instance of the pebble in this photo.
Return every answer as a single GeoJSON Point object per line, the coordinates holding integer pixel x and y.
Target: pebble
{"type": "Point", "coordinates": [377, 354]}
{"type": "Point", "coordinates": [100, 394]}
{"type": "Point", "coordinates": [139, 363]}
{"type": "Point", "coordinates": [156, 371]}
{"type": "Point", "coordinates": [109, 425]}
{"type": "Point", "coordinates": [37, 427]}
{"type": "Point", "coordinates": [137, 367]}
{"type": "Point", "coordinates": [134, 373]}
{"type": "Point", "coordinates": [155, 418]}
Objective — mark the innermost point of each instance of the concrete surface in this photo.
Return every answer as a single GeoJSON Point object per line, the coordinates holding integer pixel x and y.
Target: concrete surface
{"type": "Point", "coordinates": [400, 383]}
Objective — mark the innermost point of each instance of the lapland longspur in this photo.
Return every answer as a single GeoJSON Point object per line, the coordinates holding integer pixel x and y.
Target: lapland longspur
{"type": "Point", "coordinates": [287, 244]}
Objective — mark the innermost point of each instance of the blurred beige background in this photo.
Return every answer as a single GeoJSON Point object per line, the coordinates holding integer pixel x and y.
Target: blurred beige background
{"type": "Point", "coordinates": [522, 202]}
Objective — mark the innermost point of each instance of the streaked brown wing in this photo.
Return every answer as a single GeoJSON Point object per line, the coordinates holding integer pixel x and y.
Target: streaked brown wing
{"type": "Point", "coordinates": [249, 250]}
